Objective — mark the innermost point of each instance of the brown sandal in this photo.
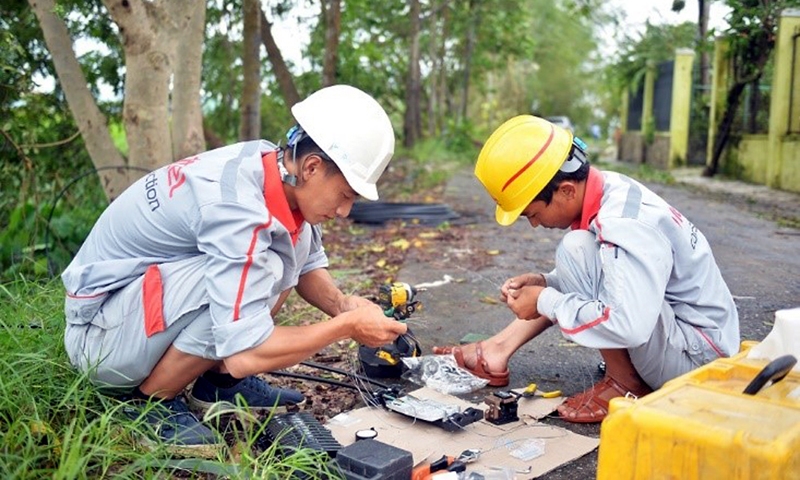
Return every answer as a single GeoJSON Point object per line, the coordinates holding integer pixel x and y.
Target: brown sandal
{"type": "Point", "coordinates": [443, 350]}
{"type": "Point", "coordinates": [591, 406]}
{"type": "Point", "coordinates": [481, 366]}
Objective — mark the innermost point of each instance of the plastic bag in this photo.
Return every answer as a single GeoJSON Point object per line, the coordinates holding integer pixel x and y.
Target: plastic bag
{"type": "Point", "coordinates": [441, 373]}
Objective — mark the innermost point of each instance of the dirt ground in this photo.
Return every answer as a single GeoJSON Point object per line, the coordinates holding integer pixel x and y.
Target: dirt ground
{"type": "Point", "coordinates": [757, 256]}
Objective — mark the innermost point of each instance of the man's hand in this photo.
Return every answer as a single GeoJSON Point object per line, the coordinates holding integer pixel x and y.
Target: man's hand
{"type": "Point", "coordinates": [351, 302]}
{"type": "Point", "coordinates": [371, 327]}
{"type": "Point", "coordinates": [522, 301]}
{"type": "Point", "coordinates": [524, 280]}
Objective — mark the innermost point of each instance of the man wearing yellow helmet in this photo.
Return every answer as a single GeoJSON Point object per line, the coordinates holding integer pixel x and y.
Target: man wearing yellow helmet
{"type": "Point", "coordinates": [633, 278]}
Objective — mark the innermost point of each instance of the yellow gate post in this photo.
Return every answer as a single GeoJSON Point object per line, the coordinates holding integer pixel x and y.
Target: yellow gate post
{"type": "Point", "coordinates": [681, 106]}
{"type": "Point", "coordinates": [719, 91]}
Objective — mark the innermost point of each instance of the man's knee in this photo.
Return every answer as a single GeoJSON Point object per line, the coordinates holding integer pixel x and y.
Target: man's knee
{"type": "Point", "coordinates": [578, 263]}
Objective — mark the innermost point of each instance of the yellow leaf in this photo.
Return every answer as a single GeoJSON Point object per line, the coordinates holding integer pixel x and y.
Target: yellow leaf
{"type": "Point", "coordinates": [378, 248]}
{"type": "Point", "coordinates": [493, 252]}
{"type": "Point", "coordinates": [417, 244]}
{"type": "Point", "coordinates": [428, 235]}
{"type": "Point", "coordinates": [490, 300]}
{"type": "Point", "coordinates": [402, 244]}
{"type": "Point", "coordinates": [380, 263]}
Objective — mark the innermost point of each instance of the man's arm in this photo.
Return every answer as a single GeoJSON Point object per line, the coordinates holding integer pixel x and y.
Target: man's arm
{"type": "Point", "coordinates": [318, 288]}
{"type": "Point", "coordinates": [288, 345]}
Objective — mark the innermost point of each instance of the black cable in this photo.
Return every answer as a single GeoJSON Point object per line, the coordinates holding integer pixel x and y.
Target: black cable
{"type": "Point", "coordinates": [303, 376]}
{"type": "Point", "coordinates": [61, 194]}
{"type": "Point", "coordinates": [352, 375]}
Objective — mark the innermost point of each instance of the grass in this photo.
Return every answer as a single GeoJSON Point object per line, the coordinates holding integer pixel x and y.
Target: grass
{"type": "Point", "coordinates": [641, 172]}
{"type": "Point", "coordinates": [55, 424]}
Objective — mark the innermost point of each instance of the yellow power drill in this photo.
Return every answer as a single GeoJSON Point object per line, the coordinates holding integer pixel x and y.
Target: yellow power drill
{"type": "Point", "coordinates": [397, 300]}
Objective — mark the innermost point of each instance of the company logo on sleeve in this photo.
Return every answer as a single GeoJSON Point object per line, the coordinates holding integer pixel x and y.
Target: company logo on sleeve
{"type": "Point", "coordinates": [175, 175]}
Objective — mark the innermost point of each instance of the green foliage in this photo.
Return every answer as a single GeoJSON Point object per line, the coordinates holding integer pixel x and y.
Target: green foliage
{"type": "Point", "coordinates": [55, 424]}
{"type": "Point", "coordinates": [657, 44]}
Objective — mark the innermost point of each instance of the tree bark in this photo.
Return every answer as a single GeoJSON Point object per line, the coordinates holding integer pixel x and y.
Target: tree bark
{"type": "Point", "coordinates": [250, 126]}
{"type": "Point", "coordinates": [332, 13]}
{"type": "Point", "coordinates": [282, 73]}
{"type": "Point", "coordinates": [91, 121]}
{"type": "Point", "coordinates": [472, 32]}
{"type": "Point", "coordinates": [703, 9]}
{"type": "Point", "coordinates": [187, 117]}
{"type": "Point", "coordinates": [433, 97]}
{"type": "Point", "coordinates": [412, 124]}
{"type": "Point", "coordinates": [147, 38]}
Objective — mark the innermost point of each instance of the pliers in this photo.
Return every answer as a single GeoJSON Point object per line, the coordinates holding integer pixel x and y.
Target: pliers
{"type": "Point", "coordinates": [445, 464]}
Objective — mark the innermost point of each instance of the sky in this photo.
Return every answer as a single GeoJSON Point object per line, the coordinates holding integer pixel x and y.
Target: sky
{"type": "Point", "coordinates": [660, 11]}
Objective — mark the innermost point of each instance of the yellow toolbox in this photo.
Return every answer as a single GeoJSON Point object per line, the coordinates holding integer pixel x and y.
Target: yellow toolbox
{"type": "Point", "coordinates": [702, 426]}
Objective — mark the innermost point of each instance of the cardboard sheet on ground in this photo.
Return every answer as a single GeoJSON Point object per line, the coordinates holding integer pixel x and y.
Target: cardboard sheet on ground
{"type": "Point", "coordinates": [428, 442]}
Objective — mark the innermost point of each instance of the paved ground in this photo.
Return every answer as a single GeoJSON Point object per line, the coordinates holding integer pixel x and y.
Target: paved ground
{"type": "Point", "coordinates": [758, 258]}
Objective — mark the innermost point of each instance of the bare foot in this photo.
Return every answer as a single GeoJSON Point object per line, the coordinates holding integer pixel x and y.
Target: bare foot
{"type": "Point", "coordinates": [494, 356]}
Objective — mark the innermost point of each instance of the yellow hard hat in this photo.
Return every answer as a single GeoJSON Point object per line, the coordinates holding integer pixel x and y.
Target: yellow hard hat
{"type": "Point", "coordinates": [518, 160]}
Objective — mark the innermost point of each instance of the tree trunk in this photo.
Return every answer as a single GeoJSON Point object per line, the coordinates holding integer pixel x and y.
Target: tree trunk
{"type": "Point", "coordinates": [721, 139]}
{"type": "Point", "coordinates": [412, 125]}
{"type": "Point", "coordinates": [147, 35]}
{"type": "Point", "coordinates": [250, 126]}
{"type": "Point", "coordinates": [187, 117]}
{"type": "Point", "coordinates": [433, 97]}
{"type": "Point", "coordinates": [91, 121]}
{"type": "Point", "coordinates": [445, 106]}
{"type": "Point", "coordinates": [332, 13]}
{"type": "Point", "coordinates": [282, 73]}
{"type": "Point", "coordinates": [472, 32]}
{"type": "Point", "coordinates": [703, 9]}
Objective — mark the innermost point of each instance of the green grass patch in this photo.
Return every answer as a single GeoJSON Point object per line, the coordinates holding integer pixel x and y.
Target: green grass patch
{"type": "Point", "coordinates": [55, 424]}
{"type": "Point", "coordinates": [641, 172]}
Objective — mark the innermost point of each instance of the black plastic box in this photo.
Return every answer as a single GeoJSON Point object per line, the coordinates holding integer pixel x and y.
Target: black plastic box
{"type": "Point", "coordinates": [373, 460]}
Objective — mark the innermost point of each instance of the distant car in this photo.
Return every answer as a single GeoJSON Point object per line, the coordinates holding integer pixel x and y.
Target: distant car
{"type": "Point", "coordinates": [561, 121]}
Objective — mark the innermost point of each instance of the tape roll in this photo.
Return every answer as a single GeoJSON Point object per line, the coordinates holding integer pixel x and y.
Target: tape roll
{"type": "Point", "coordinates": [366, 434]}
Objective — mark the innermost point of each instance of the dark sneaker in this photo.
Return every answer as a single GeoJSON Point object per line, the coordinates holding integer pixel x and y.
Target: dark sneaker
{"type": "Point", "coordinates": [259, 396]}
{"type": "Point", "coordinates": [173, 425]}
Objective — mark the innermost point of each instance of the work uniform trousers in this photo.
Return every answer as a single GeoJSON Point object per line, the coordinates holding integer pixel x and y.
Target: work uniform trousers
{"type": "Point", "coordinates": [674, 347]}
{"type": "Point", "coordinates": [114, 349]}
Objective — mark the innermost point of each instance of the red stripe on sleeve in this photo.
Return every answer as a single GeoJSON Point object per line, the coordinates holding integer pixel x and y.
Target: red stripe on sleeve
{"type": "Point", "coordinates": [593, 323]}
{"type": "Point", "coordinates": [153, 298]}
{"type": "Point", "coordinates": [243, 281]}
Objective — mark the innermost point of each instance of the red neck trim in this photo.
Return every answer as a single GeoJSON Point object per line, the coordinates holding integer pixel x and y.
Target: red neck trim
{"type": "Point", "coordinates": [592, 197]}
{"type": "Point", "coordinates": [275, 198]}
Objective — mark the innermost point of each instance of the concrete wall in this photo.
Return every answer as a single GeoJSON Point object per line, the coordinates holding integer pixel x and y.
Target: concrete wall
{"type": "Point", "coordinates": [748, 160]}
{"type": "Point", "coordinates": [633, 149]}
{"type": "Point", "coordinates": [772, 159]}
{"type": "Point", "coordinates": [790, 168]}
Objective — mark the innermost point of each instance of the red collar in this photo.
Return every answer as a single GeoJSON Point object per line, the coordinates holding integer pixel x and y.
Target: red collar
{"type": "Point", "coordinates": [592, 197]}
{"type": "Point", "coordinates": [275, 198]}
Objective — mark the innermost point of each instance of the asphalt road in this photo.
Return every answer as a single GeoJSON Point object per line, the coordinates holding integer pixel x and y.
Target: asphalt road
{"type": "Point", "coordinates": [758, 258]}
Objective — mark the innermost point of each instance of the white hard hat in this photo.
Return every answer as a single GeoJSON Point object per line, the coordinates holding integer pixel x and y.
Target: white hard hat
{"type": "Point", "coordinates": [353, 130]}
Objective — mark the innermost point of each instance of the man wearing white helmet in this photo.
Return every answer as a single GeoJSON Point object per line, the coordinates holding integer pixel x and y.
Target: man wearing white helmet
{"type": "Point", "coordinates": [180, 279]}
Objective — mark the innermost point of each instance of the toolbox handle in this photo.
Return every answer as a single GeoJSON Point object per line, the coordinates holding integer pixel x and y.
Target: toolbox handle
{"type": "Point", "coordinates": [773, 372]}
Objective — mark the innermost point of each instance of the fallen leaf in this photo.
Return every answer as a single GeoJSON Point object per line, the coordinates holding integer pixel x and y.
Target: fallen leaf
{"type": "Point", "coordinates": [490, 300]}
{"type": "Point", "coordinates": [378, 248]}
{"type": "Point", "coordinates": [380, 263]}
{"type": "Point", "coordinates": [493, 252]}
{"type": "Point", "coordinates": [428, 235]}
{"type": "Point", "coordinates": [402, 244]}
